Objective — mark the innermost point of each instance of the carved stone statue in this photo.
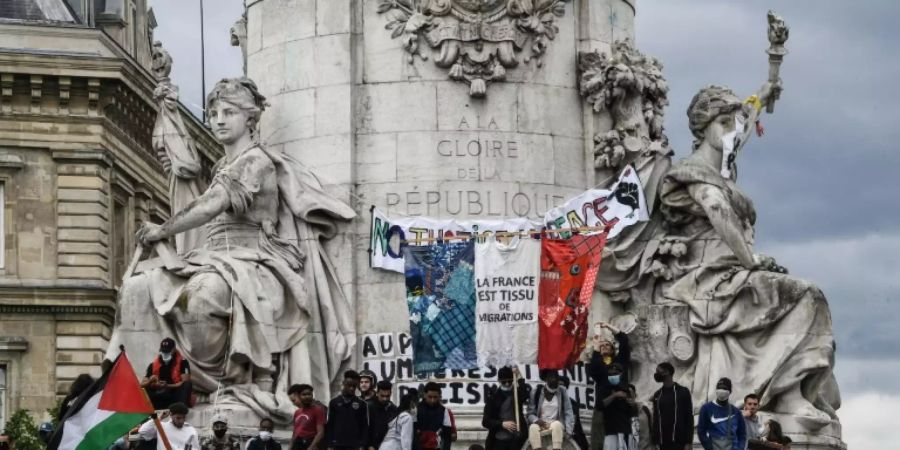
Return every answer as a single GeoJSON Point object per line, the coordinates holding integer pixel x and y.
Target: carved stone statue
{"type": "Point", "coordinates": [688, 282]}
{"type": "Point", "coordinates": [175, 147]}
{"type": "Point", "coordinates": [257, 306]}
{"type": "Point", "coordinates": [238, 35]}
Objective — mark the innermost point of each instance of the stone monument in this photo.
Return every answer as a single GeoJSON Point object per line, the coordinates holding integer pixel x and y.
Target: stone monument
{"type": "Point", "coordinates": [441, 108]}
{"type": "Point", "coordinates": [255, 307]}
{"type": "Point", "coordinates": [470, 109]}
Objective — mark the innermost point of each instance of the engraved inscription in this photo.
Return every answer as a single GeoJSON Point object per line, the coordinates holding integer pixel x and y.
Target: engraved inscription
{"type": "Point", "coordinates": [473, 202]}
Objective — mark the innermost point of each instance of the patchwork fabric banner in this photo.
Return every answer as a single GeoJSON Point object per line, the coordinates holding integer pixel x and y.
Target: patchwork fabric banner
{"type": "Point", "coordinates": [506, 283]}
{"type": "Point", "coordinates": [440, 294]}
{"type": "Point", "coordinates": [568, 273]}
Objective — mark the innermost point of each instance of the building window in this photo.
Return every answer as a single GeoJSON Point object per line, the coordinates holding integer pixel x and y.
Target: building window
{"type": "Point", "coordinates": [3, 396]}
{"type": "Point", "coordinates": [120, 250]}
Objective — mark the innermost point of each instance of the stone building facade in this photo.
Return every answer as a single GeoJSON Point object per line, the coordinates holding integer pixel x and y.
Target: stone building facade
{"type": "Point", "coordinates": [77, 177]}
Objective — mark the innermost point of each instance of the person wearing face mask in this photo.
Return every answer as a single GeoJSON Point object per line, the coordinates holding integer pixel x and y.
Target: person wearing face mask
{"type": "Point", "coordinates": [500, 413]}
{"type": "Point", "coordinates": [604, 354]}
{"type": "Point", "coordinates": [401, 429]}
{"type": "Point", "coordinates": [618, 409]}
{"type": "Point", "coordinates": [220, 439]}
{"type": "Point", "coordinates": [721, 424]}
{"type": "Point", "coordinates": [672, 427]}
{"type": "Point", "coordinates": [168, 378]}
{"type": "Point", "coordinates": [264, 440]}
{"type": "Point", "coordinates": [550, 412]}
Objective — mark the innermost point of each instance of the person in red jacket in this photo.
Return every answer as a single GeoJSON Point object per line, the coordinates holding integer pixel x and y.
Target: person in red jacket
{"type": "Point", "coordinates": [168, 378]}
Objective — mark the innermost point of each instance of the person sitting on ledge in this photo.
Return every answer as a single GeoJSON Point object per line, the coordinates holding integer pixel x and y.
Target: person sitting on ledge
{"type": "Point", "coordinates": [168, 377]}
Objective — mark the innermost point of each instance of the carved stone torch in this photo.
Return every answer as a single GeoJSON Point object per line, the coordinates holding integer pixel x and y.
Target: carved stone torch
{"type": "Point", "coordinates": [778, 35]}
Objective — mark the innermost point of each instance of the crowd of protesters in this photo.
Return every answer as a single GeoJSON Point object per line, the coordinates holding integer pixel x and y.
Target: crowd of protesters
{"type": "Point", "coordinates": [516, 414]}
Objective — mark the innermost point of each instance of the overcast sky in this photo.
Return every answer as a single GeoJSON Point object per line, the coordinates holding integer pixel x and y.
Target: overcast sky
{"type": "Point", "coordinates": [823, 178]}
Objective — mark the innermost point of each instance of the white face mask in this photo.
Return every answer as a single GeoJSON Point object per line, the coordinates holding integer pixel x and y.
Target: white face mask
{"type": "Point", "coordinates": [166, 357]}
{"type": "Point", "coordinates": [730, 143]}
{"type": "Point", "coordinates": [722, 395]}
{"type": "Point", "coordinates": [265, 435]}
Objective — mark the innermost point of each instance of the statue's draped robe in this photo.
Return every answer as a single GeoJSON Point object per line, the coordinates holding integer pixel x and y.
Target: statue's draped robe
{"type": "Point", "coordinates": [259, 298]}
{"type": "Point", "coordinates": [768, 332]}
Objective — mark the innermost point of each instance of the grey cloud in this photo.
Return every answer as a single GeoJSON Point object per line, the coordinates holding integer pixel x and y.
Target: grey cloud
{"type": "Point", "coordinates": [827, 159]}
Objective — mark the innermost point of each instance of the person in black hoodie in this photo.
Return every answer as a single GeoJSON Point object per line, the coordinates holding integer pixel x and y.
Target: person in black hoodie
{"type": "Point", "coordinates": [347, 427]}
{"type": "Point", "coordinates": [603, 356]}
{"type": "Point", "coordinates": [673, 412]}
{"type": "Point", "coordinates": [500, 415]}
{"type": "Point", "coordinates": [381, 412]}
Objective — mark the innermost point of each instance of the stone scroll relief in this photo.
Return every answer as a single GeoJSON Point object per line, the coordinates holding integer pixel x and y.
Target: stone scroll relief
{"type": "Point", "coordinates": [476, 40]}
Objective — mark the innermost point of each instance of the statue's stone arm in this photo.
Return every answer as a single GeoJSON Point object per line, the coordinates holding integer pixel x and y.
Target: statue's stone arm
{"type": "Point", "coordinates": [767, 93]}
{"type": "Point", "coordinates": [724, 220]}
{"type": "Point", "coordinates": [199, 212]}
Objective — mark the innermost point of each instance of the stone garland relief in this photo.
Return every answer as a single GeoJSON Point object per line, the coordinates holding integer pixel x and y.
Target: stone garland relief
{"type": "Point", "coordinates": [476, 40]}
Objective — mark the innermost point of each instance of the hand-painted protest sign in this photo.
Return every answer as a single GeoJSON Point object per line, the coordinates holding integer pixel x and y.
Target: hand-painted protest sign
{"type": "Point", "coordinates": [390, 235]}
{"type": "Point", "coordinates": [621, 206]}
{"type": "Point", "coordinates": [389, 355]}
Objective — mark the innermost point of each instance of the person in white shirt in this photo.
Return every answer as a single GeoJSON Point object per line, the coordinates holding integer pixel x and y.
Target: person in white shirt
{"type": "Point", "coordinates": [550, 411]}
{"type": "Point", "coordinates": [400, 430]}
{"type": "Point", "coordinates": [181, 435]}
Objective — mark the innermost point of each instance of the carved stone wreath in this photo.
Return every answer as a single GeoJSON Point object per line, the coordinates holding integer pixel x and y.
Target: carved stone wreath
{"type": "Point", "coordinates": [477, 40]}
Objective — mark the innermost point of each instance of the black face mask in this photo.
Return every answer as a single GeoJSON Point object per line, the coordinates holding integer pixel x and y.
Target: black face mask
{"type": "Point", "coordinates": [219, 433]}
{"type": "Point", "coordinates": [658, 377]}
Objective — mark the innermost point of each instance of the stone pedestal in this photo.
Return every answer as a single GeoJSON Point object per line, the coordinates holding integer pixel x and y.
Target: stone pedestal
{"type": "Point", "coordinates": [365, 97]}
{"type": "Point", "coordinates": [412, 141]}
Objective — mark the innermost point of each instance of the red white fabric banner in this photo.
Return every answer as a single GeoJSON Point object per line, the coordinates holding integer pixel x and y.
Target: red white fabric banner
{"type": "Point", "coordinates": [568, 273]}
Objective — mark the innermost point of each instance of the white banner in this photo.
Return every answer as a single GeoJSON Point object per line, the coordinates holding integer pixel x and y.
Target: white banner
{"type": "Point", "coordinates": [389, 355]}
{"type": "Point", "coordinates": [388, 236]}
{"type": "Point", "coordinates": [506, 287]}
{"type": "Point", "coordinates": [622, 205]}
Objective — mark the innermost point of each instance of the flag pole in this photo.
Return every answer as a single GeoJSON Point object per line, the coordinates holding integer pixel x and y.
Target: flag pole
{"type": "Point", "coordinates": [161, 433]}
{"type": "Point", "coordinates": [516, 398]}
{"type": "Point", "coordinates": [202, 64]}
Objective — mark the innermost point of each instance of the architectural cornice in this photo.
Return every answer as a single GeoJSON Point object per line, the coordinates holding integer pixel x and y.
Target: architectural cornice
{"type": "Point", "coordinates": [58, 298]}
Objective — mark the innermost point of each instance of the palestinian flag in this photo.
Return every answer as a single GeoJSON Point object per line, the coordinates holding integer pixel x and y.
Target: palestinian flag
{"type": "Point", "coordinates": [106, 411]}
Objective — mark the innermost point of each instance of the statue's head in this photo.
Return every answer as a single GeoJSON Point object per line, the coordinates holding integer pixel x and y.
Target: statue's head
{"type": "Point", "coordinates": [711, 115]}
{"type": "Point", "coordinates": [161, 61]}
{"type": "Point", "coordinates": [233, 109]}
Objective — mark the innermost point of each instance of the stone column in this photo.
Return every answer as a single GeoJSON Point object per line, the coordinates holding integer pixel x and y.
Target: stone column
{"type": "Point", "coordinates": [412, 141]}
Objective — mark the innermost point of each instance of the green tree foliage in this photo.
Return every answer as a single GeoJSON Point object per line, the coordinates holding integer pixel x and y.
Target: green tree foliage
{"type": "Point", "coordinates": [23, 432]}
